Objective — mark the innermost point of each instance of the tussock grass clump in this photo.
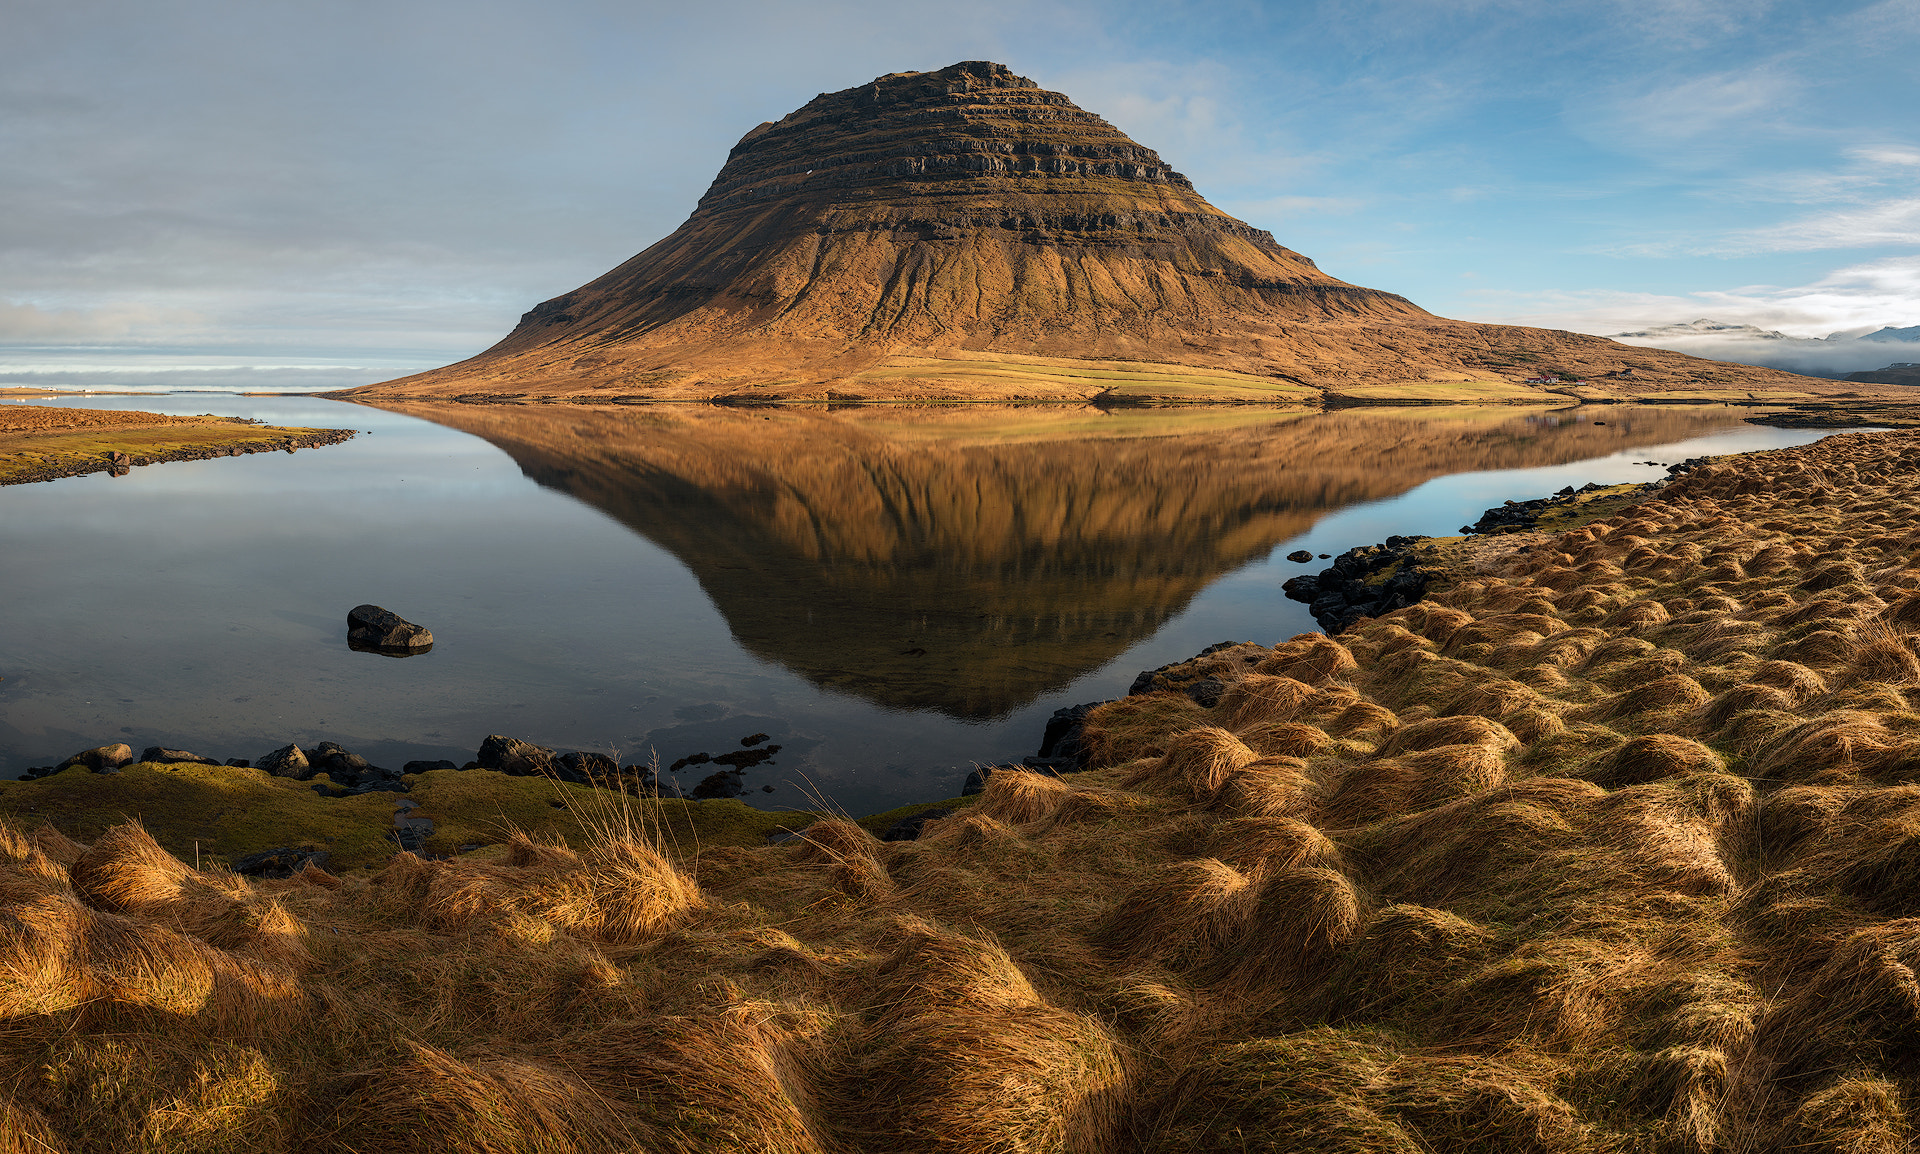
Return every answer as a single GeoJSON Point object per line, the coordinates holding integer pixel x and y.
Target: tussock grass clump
{"type": "Point", "coordinates": [1182, 916]}
{"type": "Point", "coordinates": [1258, 845]}
{"type": "Point", "coordinates": [1652, 757]}
{"type": "Point", "coordinates": [1882, 653]}
{"type": "Point", "coordinates": [1258, 698]}
{"type": "Point", "coordinates": [1313, 658]}
{"type": "Point", "coordinates": [1674, 693]}
{"type": "Point", "coordinates": [1135, 727]}
{"type": "Point", "coordinates": [1462, 730]}
{"type": "Point", "coordinates": [1197, 762]}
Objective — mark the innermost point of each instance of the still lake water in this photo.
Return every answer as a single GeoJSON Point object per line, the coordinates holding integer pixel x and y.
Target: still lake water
{"type": "Point", "coordinates": [893, 594]}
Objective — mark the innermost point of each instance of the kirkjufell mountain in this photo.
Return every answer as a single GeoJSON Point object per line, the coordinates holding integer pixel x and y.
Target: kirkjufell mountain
{"type": "Point", "coordinates": [967, 233]}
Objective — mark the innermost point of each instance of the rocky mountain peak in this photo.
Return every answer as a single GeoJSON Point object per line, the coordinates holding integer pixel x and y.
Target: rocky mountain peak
{"type": "Point", "coordinates": [908, 227]}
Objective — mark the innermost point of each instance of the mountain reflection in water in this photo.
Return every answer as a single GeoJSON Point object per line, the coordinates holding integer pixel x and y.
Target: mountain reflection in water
{"type": "Point", "coordinates": [970, 560]}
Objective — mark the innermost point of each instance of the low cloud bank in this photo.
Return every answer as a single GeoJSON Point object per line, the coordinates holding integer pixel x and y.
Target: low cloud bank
{"type": "Point", "coordinates": [1834, 356]}
{"type": "Point", "coordinates": [262, 379]}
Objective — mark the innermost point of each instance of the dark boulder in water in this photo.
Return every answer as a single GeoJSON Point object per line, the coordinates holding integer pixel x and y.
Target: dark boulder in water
{"type": "Point", "coordinates": [373, 629]}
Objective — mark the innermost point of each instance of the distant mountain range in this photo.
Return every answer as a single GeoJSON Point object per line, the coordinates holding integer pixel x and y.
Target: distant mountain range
{"type": "Point", "coordinates": [1837, 355]}
{"type": "Point", "coordinates": [1722, 329]}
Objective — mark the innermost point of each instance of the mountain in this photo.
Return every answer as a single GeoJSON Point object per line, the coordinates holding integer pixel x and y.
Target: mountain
{"type": "Point", "coordinates": [1899, 373]}
{"type": "Point", "coordinates": [966, 233]}
{"type": "Point", "coordinates": [1705, 328]}
{"type": "Point", "coordinates": [1837, 355]}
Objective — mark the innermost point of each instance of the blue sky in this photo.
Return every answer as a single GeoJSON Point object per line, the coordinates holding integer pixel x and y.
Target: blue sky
{"type": "Point", "coordinates": [363, 188]}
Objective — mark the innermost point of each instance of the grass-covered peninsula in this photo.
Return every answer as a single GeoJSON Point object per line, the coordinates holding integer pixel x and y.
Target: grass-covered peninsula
{"type": "Point", "coordinates": [1608, 844]}
{"type": "Point", "coordinates": [43, 442]}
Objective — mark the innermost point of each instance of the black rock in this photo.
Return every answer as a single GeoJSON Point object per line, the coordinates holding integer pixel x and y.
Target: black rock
{"type": "Point", "coordinates": [1062, 736]}
{"type": "Point", "coordinates": [908, 828]}
{"type": "Point", "coordinates": [1299, 555]}
{"type": "Point", "coordinates": [101, 759]}
{"type": "Point", "coordinates": [369, 627]}
{"type": "Point", "coordinates": [746, 758]}
{"type": "Point", "coordinates": [288, 761]}
{"type": "Point", "coordinates": [239, 763]}
{"type": "Point", "coordinates": [280, 862]}
{"type": "Point", "coordinates": [174, 756]}
{"type": "Point", "coordinates": [1305, 587]}
{"type": "Point", "coordinates": [1206, 692]}
{"type": "Point", "coordinates": [726, 783]}
{"type": "Point", "coordinates": [583, 768]}
{"type": "Point", "coordinates": [343, 765]}
{"type": "Point", "coordinates": [514, 757]}
{"type": "Point", "coordinates": [426, 766]}
{"type": "Point", "coordinates": [977, 780]}
{"type": "Point", "coordinates": [1144, 682]}
{"type": "Point", "coordinates": [753, 739]}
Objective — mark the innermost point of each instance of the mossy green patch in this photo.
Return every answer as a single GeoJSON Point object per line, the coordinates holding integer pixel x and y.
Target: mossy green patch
{"type": "Point", "coordinates": [479, 807]}
{"type": "Point", "coordinates": [214, 812]}
{"type": "Point", "coordinates": [879, 823]}
{"type": "Point", "coordinates": [1441, 392]}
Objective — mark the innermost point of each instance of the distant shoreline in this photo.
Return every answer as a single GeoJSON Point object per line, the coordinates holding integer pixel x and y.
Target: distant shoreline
{"type": "Point", "coordinates": [39, 443]}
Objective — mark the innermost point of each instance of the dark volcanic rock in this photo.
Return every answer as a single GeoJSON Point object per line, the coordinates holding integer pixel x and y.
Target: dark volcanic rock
{"type": "Point", "coordinates": [288, 761]}
{"type": "Point", "coordinates": [582, 768]}
{"type": "Point", "coordinates": [280, 862]}
{"type": "Point", "coordinates": [1144, 682]}
{"type": "Point", "coordinates": [102, 759]}
{"type": "Point", "coordinates": [1299, 555]}
{"type": "Point", "coordinates": [1363, 582]}
{"type": "Point", "coordinates": [165, 756]}
{"type": "Point", "coordinates": [426, 766]}
{"type": "Point", "coordinates": [369, 627]}
{"type": "Point", "coordinates": [908, 828]}
{"type": "Point", "coordinates": [512, 756]}
{"type": "Point", "coordinates": [726, 783]}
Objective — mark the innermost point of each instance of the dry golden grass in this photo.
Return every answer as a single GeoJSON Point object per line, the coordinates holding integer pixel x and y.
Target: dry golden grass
{"type": "Point", "coordinates": [1625, 866]}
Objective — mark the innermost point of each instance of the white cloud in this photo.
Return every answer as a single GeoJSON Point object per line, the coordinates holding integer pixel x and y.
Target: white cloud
{"type": "Point", "coordinates": [1694, 116]}
{"type": "Point", "coordinates": [1901, 155]}
{"type": "Point", "coordinates": [1865, 296]}
{"type": "Point", "coordinates": [1890, 222]}
{"type": "Point", "coordinates": [1852, 300]}
{"type": "Point", "coordinates": [31, 324]}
